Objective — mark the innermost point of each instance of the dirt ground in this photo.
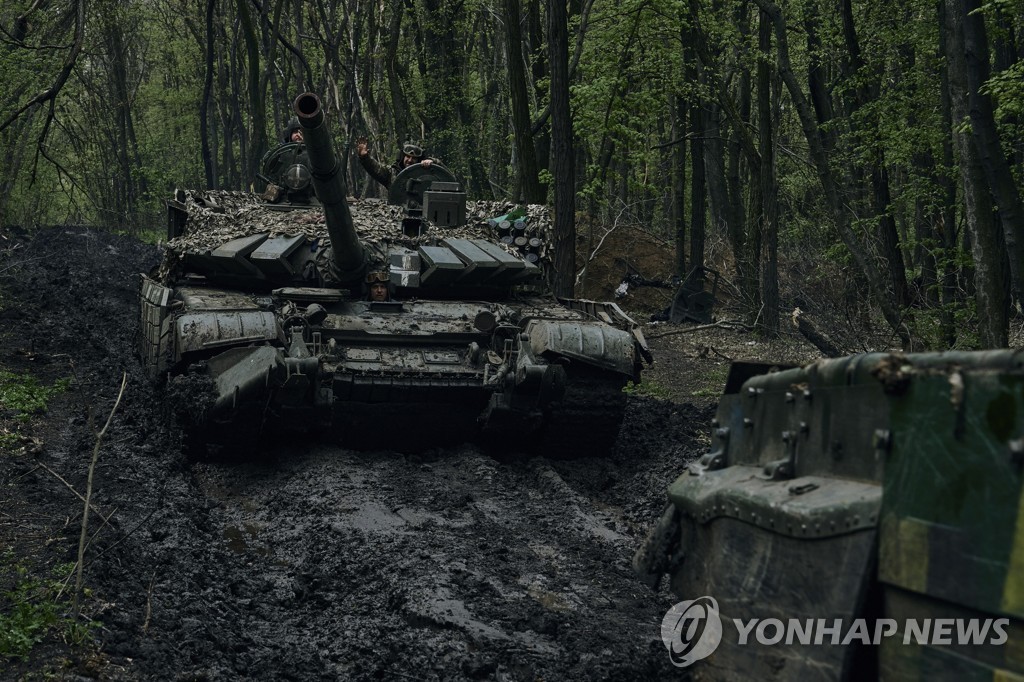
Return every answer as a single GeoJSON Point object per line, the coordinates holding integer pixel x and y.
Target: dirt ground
{"type": "Point", "coordinates": [317, 562]}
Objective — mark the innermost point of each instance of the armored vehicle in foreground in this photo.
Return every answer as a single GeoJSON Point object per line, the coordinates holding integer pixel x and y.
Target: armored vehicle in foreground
{"type": "Point", "coordinates": [857, 518]}
{"type": "Point", "coordinates": [260, 322]}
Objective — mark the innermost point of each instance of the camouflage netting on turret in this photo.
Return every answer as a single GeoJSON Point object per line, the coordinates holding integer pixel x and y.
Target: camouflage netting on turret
{"type": "Point", "coordinates": [218, 216]}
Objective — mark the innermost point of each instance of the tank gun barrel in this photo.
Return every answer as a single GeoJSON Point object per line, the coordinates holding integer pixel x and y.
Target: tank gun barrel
{"type": "Point", "coordinates": [329, 182]}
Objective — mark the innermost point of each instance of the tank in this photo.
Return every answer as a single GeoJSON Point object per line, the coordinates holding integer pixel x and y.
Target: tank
{"type": "Point", "coordinates": [259, 319]}
{"type": "Point", "coordinates": [857, 518]}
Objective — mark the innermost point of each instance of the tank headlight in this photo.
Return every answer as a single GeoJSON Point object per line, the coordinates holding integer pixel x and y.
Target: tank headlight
{"type": "Point", "coordinates": [297, 177]}
{"type": "Point", "coordinates": [485, 321]}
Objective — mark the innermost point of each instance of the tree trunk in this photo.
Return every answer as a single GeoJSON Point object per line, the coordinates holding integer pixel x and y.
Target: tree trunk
{"type": "Point", "coordinates": [679, 182]}
{"type": "Point", "coordinates": [817, 80]}
{"type": "Point", "coordinates": [532, 192]}
{"type": "Point", "coordinates": [539, 73]}
{"type": "Point", "coordinates": [123, 211]}
{"type": "Point", "coordinates": [983, 126]}
{"type": "Point", "coordinates": [698, 186]}
{"type": "Point", "coordinates": [864, 94]}
{"type": "Point", "coordinates": [747, 269]}
{"type": "Point", "coordinates": [830, 188]}
{"type": "Point", "coordinates": [769, 191]}
{"type": "Point", "coordinates": [887, 234]}
{"type": "Point", "coordinates": [257, 110]}
{"type": "Point", "coordinates": [564, 272]}
{"type": "Point", "coordinates": [927, 223]}
{"type": "Point", "coordinates": [399, 105]}
{"type": "Point", "coordinates": [947, 230]}
{"type": "Point", "coordinates": [989, 291]}
{"type": "Point", "coordinates": [815, 335]}
{"type": "Point", "coordinates": [695, 73]}
{"type": "Point", "coordinates": [299, 84]}
{"type": "Point", "coordinates": [714, 173]}
{"type": "Point", "coordinates": [206, 103]}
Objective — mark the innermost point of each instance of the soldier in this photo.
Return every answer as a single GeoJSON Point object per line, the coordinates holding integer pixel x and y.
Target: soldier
{"type": "Point", "coordinates": [285, 172]}
{"type": "Point", "coordinates": [378, 281]}
{"type": "Point", "coordinates": [293, 132]}
{"type": "Point", "coordinates": [411, 154]}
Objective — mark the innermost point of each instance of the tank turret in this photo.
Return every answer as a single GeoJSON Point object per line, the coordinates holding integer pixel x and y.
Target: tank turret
{"type": "Point", "coordinates": [348, 254]}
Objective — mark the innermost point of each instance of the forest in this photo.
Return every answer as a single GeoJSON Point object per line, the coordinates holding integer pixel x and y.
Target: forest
{"type": "Point", "coordinates": [820, 154]}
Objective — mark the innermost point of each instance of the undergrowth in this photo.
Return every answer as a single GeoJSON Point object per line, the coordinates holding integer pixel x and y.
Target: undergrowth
{"type": "Point", "coordinates": [713, 380]}
{"type": "Point", "coordinates": [33, 607]}
{"type": "Point", "coordinates": [25, 396]}
{"type": "Point", "coordinates": [648, 388]}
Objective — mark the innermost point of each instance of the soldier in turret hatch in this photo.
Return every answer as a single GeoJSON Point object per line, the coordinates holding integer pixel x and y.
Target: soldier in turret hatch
{"type": "Point", "coordinates": [378, 284]}
{"type": "Point", "coordinates": [285, 169]}
{"type": "Point", "coordinates": [293, 133]}
{"type": "Point", "coordinates": [410, 154]}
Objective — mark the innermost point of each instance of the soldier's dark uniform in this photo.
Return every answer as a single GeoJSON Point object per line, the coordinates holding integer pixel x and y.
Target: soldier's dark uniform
{"type": "Point", "coordinates": [386, 174]}
{"type": "Point", "coordinates": [286, 166]}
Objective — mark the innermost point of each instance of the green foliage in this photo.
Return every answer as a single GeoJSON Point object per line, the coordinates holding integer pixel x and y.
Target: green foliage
{"type": "Point", "coordinates": [928, 326]}
{"type": "Point", "coordinates": [839, 254]}
{"type": "Point", "coordinates": [33, 607]}
{"type": "Point", "coordinates": [1007, 91]}
{"type": "Point", "coordinates": [24, 395]}
{"type": "Point", "coordinates": [126, 126]}
{"type": "Point", "coordinates": [649, 389]}
{"type": "Point", "coordinates": [9, 441]}
{"type": "Point", "coordinates": [713, 381]}
{"type": "Point", "coordinates": [151, 236]}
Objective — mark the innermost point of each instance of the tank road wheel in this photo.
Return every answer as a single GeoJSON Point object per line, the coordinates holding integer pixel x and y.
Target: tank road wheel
{"type": "Point", "coordinates": [585, 423]}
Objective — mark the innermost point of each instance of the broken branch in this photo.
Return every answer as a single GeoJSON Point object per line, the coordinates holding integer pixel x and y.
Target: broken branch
{"type": "Point", "coordinates": [88, 492]}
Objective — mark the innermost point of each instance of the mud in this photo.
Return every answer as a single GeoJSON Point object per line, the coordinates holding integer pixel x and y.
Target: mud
{"type": "Point", "coordinates": [315, 562]}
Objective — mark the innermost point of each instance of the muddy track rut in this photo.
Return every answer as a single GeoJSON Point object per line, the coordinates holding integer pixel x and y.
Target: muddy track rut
{"type": "Point", "coordinates": [317, 562]}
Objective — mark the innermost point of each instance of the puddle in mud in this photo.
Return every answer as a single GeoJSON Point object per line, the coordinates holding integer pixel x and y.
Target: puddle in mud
{"type": "Point", "coordinates": [373, 517]}
{"type": "Point", "coordinates": [241, 540]}
{"type": "Point", "coordinates": [549, 600]}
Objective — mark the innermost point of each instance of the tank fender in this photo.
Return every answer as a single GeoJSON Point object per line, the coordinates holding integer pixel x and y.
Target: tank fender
{"type": "Point", "coordinates": [614, 315]}
{"type": "Point", "coordinates": [593, 344]}
{"type": "Point", "coordinates": [243, 375]}
{"type": "Point", "coordinates": [196, 332]}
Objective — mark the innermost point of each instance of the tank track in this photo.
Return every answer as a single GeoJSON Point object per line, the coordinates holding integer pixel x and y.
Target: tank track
{"type": "Point", "coordinates": [585, 423]}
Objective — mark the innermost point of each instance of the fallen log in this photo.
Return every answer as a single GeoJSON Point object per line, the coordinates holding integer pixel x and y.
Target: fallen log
{"type": "Point", "coordinates": [817, 338]}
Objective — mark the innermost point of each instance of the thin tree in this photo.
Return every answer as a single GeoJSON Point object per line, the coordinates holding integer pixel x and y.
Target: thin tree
{"type": "Point", "coordinates": [564, 272]}
{"type": "Point", "coordinates": [769, 189]}
{"type": "Point", "coordinates": [830, 188]}
{"type": "Point", "coordinates": [986, 137]}
{"type": "Point", "coordinates": [990, 294]}
{"type": "Point", "coordinates": [532, 191]}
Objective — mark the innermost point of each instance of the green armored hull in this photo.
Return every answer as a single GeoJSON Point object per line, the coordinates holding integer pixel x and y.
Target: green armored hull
{"type": "Point", "coordinates": [868, 506]}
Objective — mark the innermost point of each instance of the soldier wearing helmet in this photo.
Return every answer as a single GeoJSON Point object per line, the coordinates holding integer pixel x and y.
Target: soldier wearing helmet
{"type": "Point", "coordinates": [285, 175]}
{"type": "Point", "coordinates": [292, 132]}
{"type": "Point", "coordinates": [377, 283]}
{"type": "Point", "coordinates": [410, 154]}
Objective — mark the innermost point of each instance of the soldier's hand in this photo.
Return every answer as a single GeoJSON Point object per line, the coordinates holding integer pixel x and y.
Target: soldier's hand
{"type": "Point", "coordinates": [362, 145]}
{"type": "Point", "coordinates": [426, 162]}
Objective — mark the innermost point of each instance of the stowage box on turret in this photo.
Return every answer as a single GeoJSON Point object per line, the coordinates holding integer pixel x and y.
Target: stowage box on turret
{"type": "Point", "coordinates": [404, 324]}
